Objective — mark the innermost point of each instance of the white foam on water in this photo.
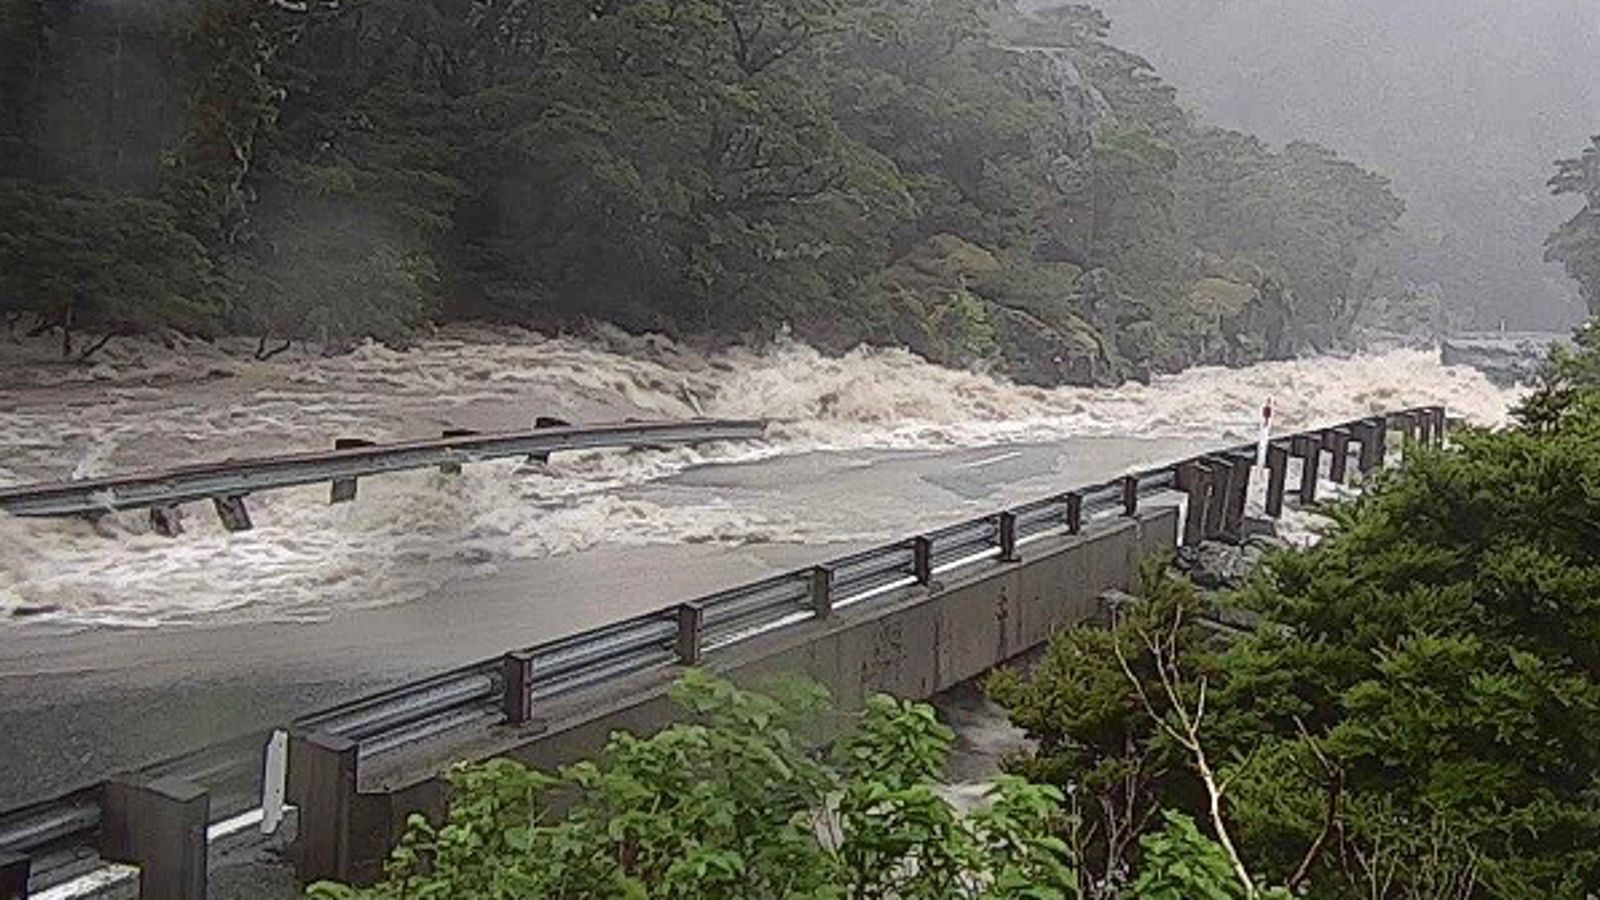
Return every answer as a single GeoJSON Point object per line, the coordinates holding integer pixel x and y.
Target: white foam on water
{"type": "Point", "coordinates": [148, 406]}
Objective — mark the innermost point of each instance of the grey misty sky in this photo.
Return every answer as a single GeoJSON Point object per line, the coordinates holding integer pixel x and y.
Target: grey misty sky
{"type": "Point", "coordinates": [1465, 103]}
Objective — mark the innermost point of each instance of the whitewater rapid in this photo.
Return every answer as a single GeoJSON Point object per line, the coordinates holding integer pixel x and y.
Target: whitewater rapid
{"type": "Point", "coordinates": [148, 405]}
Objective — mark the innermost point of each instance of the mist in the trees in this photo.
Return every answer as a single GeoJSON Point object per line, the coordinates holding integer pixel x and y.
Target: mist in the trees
{"type": "Point", "coordinates": [1465, 103]}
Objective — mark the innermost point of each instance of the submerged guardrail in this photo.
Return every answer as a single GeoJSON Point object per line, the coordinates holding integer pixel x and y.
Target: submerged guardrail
{"type": "Point", "coordinates": [227, 484]}
{"type": "Point", "coordinates": [152, 818]}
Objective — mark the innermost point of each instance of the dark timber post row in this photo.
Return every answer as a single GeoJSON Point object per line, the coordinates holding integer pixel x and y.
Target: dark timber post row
{"type": "Point", "coordinates": [1130, 496]}
{"type": "Point", "coordinates": [1239, 470]}
{"type": "Point", "coordinates": [1337, 440]}
{"type": "Point", "coordinates": [1277, 478]}
{"type": "Point", "coordinates": [1195, 481]}
{"type": "Point", "coordinates": [322, 784]}
{"type": "Point", "coordinates": [1309, 448]}
{"type": "Point", "coordinates": [922, 560]}
{"type": "Point", "coordinates": [516, 671]}
{"type": "Point", "coordinates": [1218, 472]}
{"type": "Point", "coordinates": [343, 490]}
{"type": "Point", "coordinates": [822, 591]}
{"type": "Point", "coordinates": [159, 826]}
{"type": "Point", "coordinates": [1367, 434]}
{"type": "Point", "coordinates": [690, 618]}
{"type": "Point", "coordinates": [1006, 525]}
{"type": "Point", "coordinates": [13, 876]}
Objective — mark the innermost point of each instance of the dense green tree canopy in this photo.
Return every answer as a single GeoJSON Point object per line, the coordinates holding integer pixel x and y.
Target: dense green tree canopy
{"type": "Point", "coordinates": [695, 166]}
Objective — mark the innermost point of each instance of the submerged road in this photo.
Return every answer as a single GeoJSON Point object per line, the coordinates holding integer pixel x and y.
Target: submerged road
{"type": "Point", "coordinates": [79, 705]}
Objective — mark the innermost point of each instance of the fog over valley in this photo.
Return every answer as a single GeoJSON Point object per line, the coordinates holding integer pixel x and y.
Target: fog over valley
{"type": "Point", "coordinates": [1464, 103]}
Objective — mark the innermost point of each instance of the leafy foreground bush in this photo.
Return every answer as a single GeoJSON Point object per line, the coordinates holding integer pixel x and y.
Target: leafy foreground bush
{"type": "Point", "coordinates": [1415, 715]}
{"type": "Point", "coordinates": [734, 805]}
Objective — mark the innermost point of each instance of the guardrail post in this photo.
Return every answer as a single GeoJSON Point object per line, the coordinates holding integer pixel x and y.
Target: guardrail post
{"type": "Point", "coordinates": [690, 618]}
{"type": "Point", "coordinates": [822, 591]}
{"type": "Point", "coordinates": [1195, 481]}
{"type": "Point", "coordinates": [1337, 442]}
{"type": "Point", "coordinates": [1380, 441]}
{"type": "Point", "coordinates": [1074, 513]}
{"type": "Point", "coordinates": [159, 826]}
{"type": "Point", "coordinates": [167, 522]}
{"type": "Point", "coordinates": [13, 876]}
{"type": "Point", "coordinates": [1309, 449]}
{"type": "Point", "coordinates": [516, 699]}
{"type": "Point", "coordinates": [541, 423]}
{"type": "Point", "coordinates": [1130, 496]}
{"type": "Point", "coordinates": [922, 560]}
{"type": "Point", "coordinates": [454, 468]}
{"type": "Point", "coordinates": [1277, 478]}
{"type": "Point", "coordinates": [1440, 425]}
{"type": "Point", "coordinates": [343, 490]}
{"type": "Point", "coordinates": [322, 784]}
{"type": "Point", "coordinates": [1007, 527]}
{"type": "Point", "coordinates": [234, 514]}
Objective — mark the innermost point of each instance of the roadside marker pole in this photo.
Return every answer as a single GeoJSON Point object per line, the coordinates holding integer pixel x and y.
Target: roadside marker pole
{"type": "Point", "coordinates": [274, 779]}
{"type": "Point", "coordinates": [1266, 434]}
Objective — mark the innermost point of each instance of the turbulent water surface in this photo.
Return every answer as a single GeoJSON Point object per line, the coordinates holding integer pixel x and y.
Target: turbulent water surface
{"type": "Point", "coordinates": [149, 405]}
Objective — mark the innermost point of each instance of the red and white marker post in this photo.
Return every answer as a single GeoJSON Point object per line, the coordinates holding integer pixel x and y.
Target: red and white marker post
{"type": "Point", "coordinates": [1266, 434]}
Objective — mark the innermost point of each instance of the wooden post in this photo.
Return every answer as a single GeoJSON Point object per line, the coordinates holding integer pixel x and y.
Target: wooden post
{"type": "Point", "coordinates": [516, 670]}
{"type": "Point", "coordinates": [1440, 425]}
{"type": "Point", "coordinates": [1310, 450]}
{"type": "Point", "coordinates": [1130, 496]}
{"type": "Point", "coordinates": [1380, 441]}
{"type": "Point", "coordinates": [922, 560]}
{"type": "Point", "coordinates": [234, 514]}
{"type": "Point", "coordinates": [1074, 513]}
{"type": "Point", "coordinates": [1219, 475]}
{"type": "Point", "coordinates": [1337, 440]}
{"type": "Point", "coordinates": [322, 785]}
{"type": "Point", "coordinates": [1367, 435]}
{"type": "Point", "coordinates": [1238, 497]}
{"type": "Point", "coordinates": [343, 490]}
{"type": "Point", "coordinates": [1277, 478]}
{"type": "Point", "coordinates": [1194, 480]}
{"type": "Point", "coordinates": [690, 618]}
{"type": "Point", "coordinates": [822, 591]}
{"type": "Point", "coordinates": [13, 876]}
{"type": "Point", "coordinates": [160, 826]}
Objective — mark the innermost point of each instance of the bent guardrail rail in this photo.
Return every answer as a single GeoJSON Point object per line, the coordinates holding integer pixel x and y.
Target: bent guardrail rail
{"type": "Point", "coordinates": [510, 690]}
{"type": "Point", "coordinates": [228, 483]}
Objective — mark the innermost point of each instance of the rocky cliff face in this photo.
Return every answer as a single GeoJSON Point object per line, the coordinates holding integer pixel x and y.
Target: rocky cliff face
{"type": "Point", "coordinates": [1507, 359]}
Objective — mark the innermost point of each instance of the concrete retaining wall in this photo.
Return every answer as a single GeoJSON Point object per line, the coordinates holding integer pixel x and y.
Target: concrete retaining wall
{"type": "Point", "coordinates": [911, 643]}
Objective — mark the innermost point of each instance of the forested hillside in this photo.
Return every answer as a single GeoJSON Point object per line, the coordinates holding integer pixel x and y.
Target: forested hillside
{"type": "Point", "coordinates": [951, 175]}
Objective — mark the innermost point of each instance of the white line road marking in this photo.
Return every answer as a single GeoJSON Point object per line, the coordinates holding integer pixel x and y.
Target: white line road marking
{"type": "Point", "coordinates": [1004, 457]}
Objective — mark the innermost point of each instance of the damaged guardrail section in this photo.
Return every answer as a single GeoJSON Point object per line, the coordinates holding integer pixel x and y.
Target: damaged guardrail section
{"type": "Point", "coordinates": [912, 616]}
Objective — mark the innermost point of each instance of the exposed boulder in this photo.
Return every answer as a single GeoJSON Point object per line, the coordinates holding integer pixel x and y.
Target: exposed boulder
{"type": "Point", "coordinates": [1219, 566]}
{"type": "Point", "coordinates": [1040, 353]}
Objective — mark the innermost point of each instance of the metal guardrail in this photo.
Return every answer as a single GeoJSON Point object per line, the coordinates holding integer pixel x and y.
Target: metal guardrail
{"type": "Point", "coordinates": [510, 689]}
{"type": "Point", "coordinates": [227, 483]}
